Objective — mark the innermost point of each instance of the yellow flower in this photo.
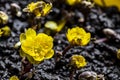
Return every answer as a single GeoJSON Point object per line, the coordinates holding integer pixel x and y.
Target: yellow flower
{"type": "Point", "coordinates": [108, 3]}
{"type": "Point", "coordinates": [118, 54]}
{"type": "Point", "coordinates": [36, 47]}
{"type": "Point", "coordinates": [78, 61]}
{"type": "Point", "coordinates": [30, 58]}
{"type": "Point", "coordinates": [14, 78]}
{"type": "Point", "coordinates": [78, 36]}
{"type": "Point", "coordinates": [3, 17]}
{"type": "Point", "coordinates": [6, 31]}
{"type": "Point", "coordinates": [39, 8]}
{"type": "Point", "coordinates": [52, 25]}
{"type": "Point", "coordinates": [72, 2]}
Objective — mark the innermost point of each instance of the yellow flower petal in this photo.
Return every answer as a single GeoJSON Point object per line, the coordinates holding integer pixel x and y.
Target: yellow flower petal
{"type": "Point", "coordinates": [73, 2]}
{"type": "Point", "coordinates": [51, 25]}
{"type": "Point", "coordinates": [118, 54]}
{"type": "Point", "coordinates": [31, 6]}
{"type": "Point", "coordinates": [30, 33]}
{"type": "Point", "coordinates": [6, 31]}
{"type": "Point", "coordinates": [82, 30]}
{"type": "Point", "coordinates": [31, 60]}
{"type": "Point", "coordinates": [3, 17]}
{"type": "Point", "coordinates": [22, 37]}
{"type": "Point", "coordinates": [47, 9]}
{"type": "Point", "coordinates": [49, 54]}
{"type": "Point", "coordinates": [61, 25]}
{"type": "Point", "coordinates": [45, 41]}
{"type": "Point", "coordinates": [108, 3]}
{"type": "Point", "coordinates": [1, 32]}
{"type": "Point", "coordinates": [38, 58]}
{"type": "Point", "coordinates": [14, 78]}
{"type": "Point", "coordinates": [22, 54]}
{"type": "Point", "coordinates": [37, 13]}
{"type": "Point", "coordinates": [86, 39]}
{"type": "Point", "coordinates": [28, 47]}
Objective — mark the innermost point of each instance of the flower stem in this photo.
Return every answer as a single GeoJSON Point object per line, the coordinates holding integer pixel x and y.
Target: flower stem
{"type": "Point", "coordinates": [59, 54]}
{"type": "Point", "coordinates": [66, 49]}
{"type": "Point", "coordinates": [26, 66]}
{"type": "Point", "coordinates": [72, 73]}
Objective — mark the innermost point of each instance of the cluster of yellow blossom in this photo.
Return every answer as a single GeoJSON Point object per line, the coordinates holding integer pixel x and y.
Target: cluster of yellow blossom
{"type": "Point", "coordinates": [78, 61]}
{"type": "Point", "coordinates": [39, 8]}
{"type": "Point", "coordinates": [36, 47]}
{"type": "Point", "coordinates": [73, 2]}
{"type": "Point", "coordinates": [78, 36]}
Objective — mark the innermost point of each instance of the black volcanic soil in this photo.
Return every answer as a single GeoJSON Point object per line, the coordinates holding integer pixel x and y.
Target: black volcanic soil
{"type": "Point", "coordinates": [100, 57]}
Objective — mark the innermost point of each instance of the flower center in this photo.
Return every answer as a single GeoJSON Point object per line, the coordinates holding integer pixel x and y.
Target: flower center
{"type": "Point", "coordinates": [37, 50]}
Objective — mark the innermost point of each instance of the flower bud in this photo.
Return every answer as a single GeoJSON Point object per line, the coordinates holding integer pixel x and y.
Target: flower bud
{"type": "Point", "coordinates": [3, 17]}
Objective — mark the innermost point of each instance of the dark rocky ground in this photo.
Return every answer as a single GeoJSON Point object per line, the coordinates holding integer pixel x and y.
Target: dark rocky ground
{"type": "Point", "coordinates": [101, 57]}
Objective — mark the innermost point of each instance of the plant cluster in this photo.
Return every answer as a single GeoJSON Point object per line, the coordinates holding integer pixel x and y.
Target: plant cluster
{"type": "Point", "coordinates": [5, 30]}
{"type": "Point", "coordinates": [78, 61]}
{"type": "Point", "coordinates": [37, 47]}
{"type": "Point", "coordinates": [78, 36]}
{"type": "Point", "coordinates": [39, 8]}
